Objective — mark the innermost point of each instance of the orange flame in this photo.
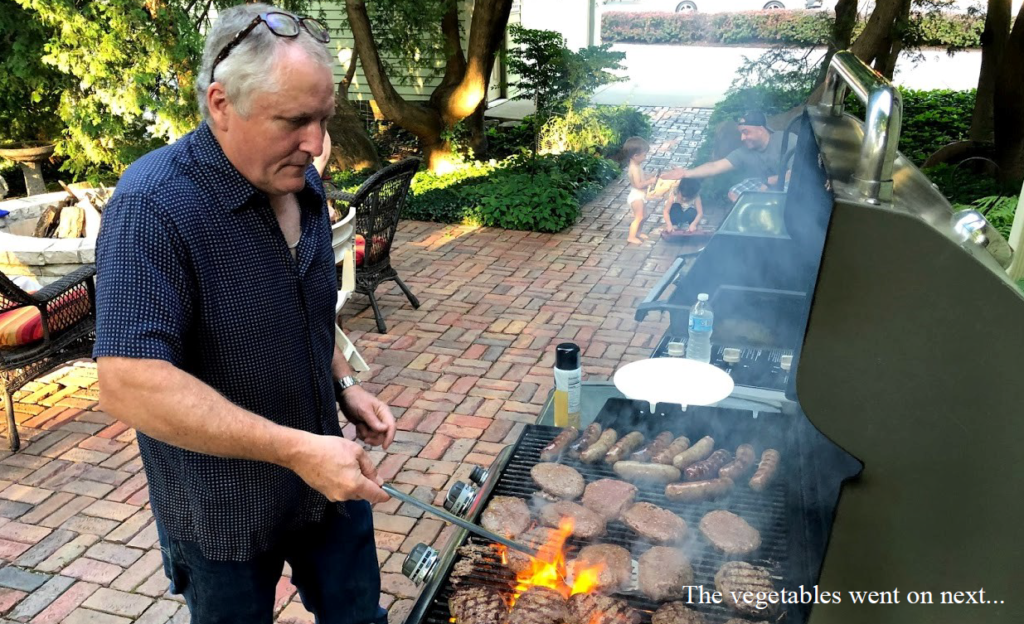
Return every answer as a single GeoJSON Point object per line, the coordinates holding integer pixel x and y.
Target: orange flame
{"type": "Point", "coordinates": [550, 570]}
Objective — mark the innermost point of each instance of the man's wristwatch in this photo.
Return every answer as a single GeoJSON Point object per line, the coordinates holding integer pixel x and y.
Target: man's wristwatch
{"type": "Point", "coordinates": [343, 384]}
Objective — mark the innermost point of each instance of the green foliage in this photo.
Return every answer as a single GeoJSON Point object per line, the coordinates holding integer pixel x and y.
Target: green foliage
{"type": "Point", "coordinates": [966, 189]}
{"type": "Point", "coordinates": [799, 28]}
{"type": "Point", "coordinates": [594, 129]}
{"type": "Point", "coordinates": [509, 140]}
{"type": "Point", "coordinates": [931, 120]}
{"type": "Point", "coordinates": [541, 194]}
{"type": "Point", "coordinates": [554, 77]}
{"type": "Point", "coordinates": [115, 79]}
{"type": "Point", "coordinates": [522, 201]}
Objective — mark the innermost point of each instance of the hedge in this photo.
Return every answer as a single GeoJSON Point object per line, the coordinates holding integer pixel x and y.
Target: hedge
{"type": "Point", "coordinates": [801, 28]}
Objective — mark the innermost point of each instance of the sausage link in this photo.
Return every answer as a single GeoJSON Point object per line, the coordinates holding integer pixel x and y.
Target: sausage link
{"type": "Point", "coordinates": [745, 458]}
{"type": "Point", "coordinates": [652, 448]}
{"type": "Point", "coordinates": [698, 490]}
{"type": "Point", "coordinates": [589, 437]}
{"type": "Point", "coordinates": [639, 472]}
{"type": "Point", "coordinates": [708, 467]}
{"type": "Point", "coordinates": [624, 447]}
{"type": "Point", "coordinates": [552, 451]}
{"type": "Point", "coordinates": [765, 470]}
{"type": "Point", "coordinates": [598, 449]}
{"type": "Point", "coordinates": [678, 445]}
{"type": "Point", "coordinates": [695, 453]}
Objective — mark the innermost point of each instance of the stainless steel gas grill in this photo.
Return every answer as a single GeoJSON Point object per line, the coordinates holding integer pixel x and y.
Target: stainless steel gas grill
{"type": "Point", "coordinates": [898, 410]}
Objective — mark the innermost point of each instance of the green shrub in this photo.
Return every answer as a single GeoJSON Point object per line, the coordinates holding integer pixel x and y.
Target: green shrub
{"type": "Point", "coordinates": [522, 201]}
{"type": "Point", "coordinates": [931, 120]}
{"type": "Point", "coordinates": [600, 129]}
{"type": "Point", "coordinates": [503, 142]}
{"type": "Point", "coordinates": [536, 192]}
{"type": "Point", "coordinates": [799, 28]}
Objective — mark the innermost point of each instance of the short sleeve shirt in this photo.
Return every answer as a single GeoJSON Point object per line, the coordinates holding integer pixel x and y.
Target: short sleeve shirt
{"type": "Point", "coordinates": [193, 269]}
{"type": "Point", "coordinates": [760, 164]}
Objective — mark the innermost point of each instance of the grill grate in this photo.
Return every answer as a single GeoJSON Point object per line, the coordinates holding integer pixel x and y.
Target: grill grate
{"type": "Point", "coordinates": [765, 511]}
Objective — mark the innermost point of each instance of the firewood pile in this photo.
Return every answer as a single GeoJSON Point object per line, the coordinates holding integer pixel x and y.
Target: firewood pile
{"type": "Point", "coordinates": [66, 218]}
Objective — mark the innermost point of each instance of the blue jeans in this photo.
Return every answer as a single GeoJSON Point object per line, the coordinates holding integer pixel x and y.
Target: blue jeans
{"type": "Point", "coordinates": [334, 566]}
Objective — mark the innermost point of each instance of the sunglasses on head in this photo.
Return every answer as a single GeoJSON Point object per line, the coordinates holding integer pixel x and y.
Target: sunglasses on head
{"type": "Point", "coordinates": [282, 25]}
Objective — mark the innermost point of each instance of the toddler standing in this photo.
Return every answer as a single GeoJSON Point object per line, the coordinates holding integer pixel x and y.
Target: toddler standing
{"type": "Point", "coordinates": [635, 150]}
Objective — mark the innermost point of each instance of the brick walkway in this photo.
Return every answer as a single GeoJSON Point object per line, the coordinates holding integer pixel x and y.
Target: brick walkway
{"type": "Point", "coordinates": [463, 374]}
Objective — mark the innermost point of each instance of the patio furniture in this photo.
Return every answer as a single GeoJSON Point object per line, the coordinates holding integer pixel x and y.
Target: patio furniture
{"type": "Point", "coordinates": [43, 330]}
{"type": "Point", "coordinates": [378, 204]}
{"type": "Point", "coordinates": [343, 239]}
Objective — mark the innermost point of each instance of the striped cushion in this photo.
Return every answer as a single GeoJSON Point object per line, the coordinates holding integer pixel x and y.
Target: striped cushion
{"type": "Point", "coordinates": [23, 326]}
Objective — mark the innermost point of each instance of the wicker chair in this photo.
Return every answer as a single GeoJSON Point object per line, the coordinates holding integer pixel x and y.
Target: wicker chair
{"type": "Point", "coordinates": [378, 203]}
{"type": "Point", "coordinates": [68, 313]}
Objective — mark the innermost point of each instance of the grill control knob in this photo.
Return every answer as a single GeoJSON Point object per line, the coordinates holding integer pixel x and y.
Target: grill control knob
{"type": "Point", "coordinates": [420, 563]}
{"type": "Point", "coordinates": [459, 498]}
{"type": "Point", "coordinates": [479, 475]}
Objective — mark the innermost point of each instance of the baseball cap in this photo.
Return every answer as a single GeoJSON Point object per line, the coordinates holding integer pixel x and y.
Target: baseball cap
{"type": "Point", "coordinates": [752, 118]}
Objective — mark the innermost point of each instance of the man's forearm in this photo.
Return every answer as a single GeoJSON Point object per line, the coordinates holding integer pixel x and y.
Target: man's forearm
{"type": "Point", "coordinates": [339, 364]}
{"type": "Point", "coordinates": [170, 405]}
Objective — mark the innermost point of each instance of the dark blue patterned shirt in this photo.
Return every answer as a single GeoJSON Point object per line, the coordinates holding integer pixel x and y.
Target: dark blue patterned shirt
{"type": "Point", "coordinates": [192, 268]}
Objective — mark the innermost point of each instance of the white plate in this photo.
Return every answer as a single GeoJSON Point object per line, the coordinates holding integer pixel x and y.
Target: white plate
{"type": "Point", "coordinates": [673, 380]}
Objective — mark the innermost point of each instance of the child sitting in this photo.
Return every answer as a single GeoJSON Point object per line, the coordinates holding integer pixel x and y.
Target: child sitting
{"type": "Point", "coordinates": [635, 150]}
{"type": "Point", "coordinates": [683, 208]}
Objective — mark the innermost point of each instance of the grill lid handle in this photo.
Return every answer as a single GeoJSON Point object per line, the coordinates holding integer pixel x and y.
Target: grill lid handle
{"type": "Point", "coordinates": [882, 121]}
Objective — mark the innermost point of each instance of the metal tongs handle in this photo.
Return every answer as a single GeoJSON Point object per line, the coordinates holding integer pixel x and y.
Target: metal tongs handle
{"type": "Point", "coordinates": [444, 515]}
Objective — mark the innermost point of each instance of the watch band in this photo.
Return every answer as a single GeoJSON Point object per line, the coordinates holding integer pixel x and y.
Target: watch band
{"type": "Point", "coordinates": [343, 384]}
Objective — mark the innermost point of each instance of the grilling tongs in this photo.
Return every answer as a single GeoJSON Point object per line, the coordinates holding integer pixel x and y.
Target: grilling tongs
{"type": "Point", "coordinates": [469, 526]}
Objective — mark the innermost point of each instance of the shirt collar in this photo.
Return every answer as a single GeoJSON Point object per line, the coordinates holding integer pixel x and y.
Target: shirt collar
{"type": "Point", "coordinates": [232, 188]}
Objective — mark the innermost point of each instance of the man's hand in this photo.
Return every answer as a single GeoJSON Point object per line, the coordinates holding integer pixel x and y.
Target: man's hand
{"type": "Point", "coordinates": [374, 422]}
{"type": "Point", "coordinates": [337, 468]}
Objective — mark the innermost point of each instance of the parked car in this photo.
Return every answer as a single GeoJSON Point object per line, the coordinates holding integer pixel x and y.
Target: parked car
{"type": "Point", "coordinates": [729, 6]}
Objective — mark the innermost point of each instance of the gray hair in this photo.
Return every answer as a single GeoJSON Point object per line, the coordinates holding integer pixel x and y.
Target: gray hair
{"type": "Point", "coordinates": [249, 68]}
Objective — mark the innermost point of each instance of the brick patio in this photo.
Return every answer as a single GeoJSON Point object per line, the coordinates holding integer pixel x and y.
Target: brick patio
{"type": "Point", "coordinates": [463, 374]}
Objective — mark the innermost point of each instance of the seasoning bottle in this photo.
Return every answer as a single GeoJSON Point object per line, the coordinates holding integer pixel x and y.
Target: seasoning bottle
{"type": "Point", "coordinates": [568, 380]}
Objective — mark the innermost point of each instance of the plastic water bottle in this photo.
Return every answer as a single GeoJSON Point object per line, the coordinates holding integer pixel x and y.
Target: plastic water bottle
{"type": "Point", "coordinates": [698, 347]}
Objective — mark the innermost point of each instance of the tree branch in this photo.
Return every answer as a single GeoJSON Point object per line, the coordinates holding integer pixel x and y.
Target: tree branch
{"type": "Point", "coordinates": [350, 74]}
{"type": "Point", "coordinates": [487, 31]}
{"type": "Point", "coordinates": [413, 118]}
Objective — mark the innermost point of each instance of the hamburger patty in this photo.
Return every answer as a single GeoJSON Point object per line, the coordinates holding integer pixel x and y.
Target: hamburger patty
{"type": "Point", "coordinates": [617, 565]}
{"type": "Point", "coordinates": [659, 525]}
{"type": "Point", "coordinates": [739, 577]}
{"type": "Point", "coordinates": [585, 523]}
{"type": "Point", "coordinates": [594, 608]}
{"type": "Point", "coordinates": [609, 497]}
{"type": "Point", "coordinates": [730, 533]}
{"type": "Point", "coordinates": [536, 537]}
{"type": "Point", "coordinates": [663, 573]}
{"type": "Point", "coordinates": [478, 605]}
{"type": "Point", "coordinates": [506, 515]}
{"type": "Point", "coordinates": [558, 480]}
{"type": "Point", "coordinates": [539, 605]}
{"type": "Point", "coordinates": [676, 613]}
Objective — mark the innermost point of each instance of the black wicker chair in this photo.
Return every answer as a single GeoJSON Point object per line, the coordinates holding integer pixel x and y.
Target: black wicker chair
{"type": "Point", "coordinates": [68, 311]}
{"type": "Point", "coordinates": [378, 203]}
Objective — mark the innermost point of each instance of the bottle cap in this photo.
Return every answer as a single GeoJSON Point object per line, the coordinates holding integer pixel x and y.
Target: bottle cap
{"type": "Point", "coordinates": [702, 297]}
{"type": "Point", "coordinates": [567, 356]}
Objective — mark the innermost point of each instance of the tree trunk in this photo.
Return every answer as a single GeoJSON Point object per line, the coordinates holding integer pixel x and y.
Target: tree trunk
{"type": "Point", "coordinates": [842, 32]}
{"type": "Point", "coordinates": [462, 89]}
{"type": "Point", "coordinates": [351, 146]}
{"type": "Point", "coordinates": [877, 38]}
{"type": "Point", "coordinates": [993, 43]}
{"type": "Point", "coordinates": [1008, 107]}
